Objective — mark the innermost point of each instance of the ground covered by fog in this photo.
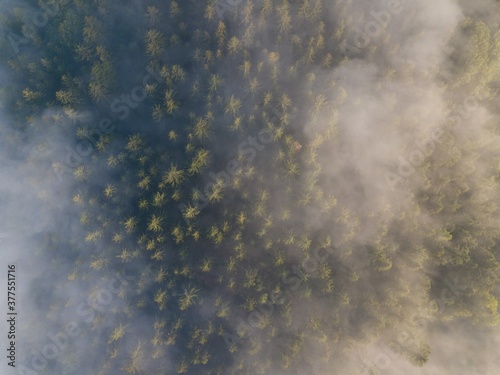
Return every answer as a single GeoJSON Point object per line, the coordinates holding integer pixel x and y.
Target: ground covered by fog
{"type": "Point", "coordinates": [251, 186]}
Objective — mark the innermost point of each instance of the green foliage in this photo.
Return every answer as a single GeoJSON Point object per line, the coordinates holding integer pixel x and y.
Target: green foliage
{"type": "Point", "coordinates": [226, 200]}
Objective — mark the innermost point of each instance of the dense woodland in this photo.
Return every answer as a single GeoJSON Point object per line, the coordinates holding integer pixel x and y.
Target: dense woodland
{"type": "Point", "coordinates": [224, 188]}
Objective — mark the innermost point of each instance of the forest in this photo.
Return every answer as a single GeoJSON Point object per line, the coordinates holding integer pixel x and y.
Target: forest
{"type": "Point", "coordinates": [274, 187]}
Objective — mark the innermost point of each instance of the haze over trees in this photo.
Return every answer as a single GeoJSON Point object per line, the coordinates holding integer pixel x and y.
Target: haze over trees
{"type": "Point", "coordinates": [272, 196]}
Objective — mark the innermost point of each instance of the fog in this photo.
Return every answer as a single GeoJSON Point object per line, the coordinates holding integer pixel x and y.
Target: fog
{"type": "Point", "coordinates": [377, 191]}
